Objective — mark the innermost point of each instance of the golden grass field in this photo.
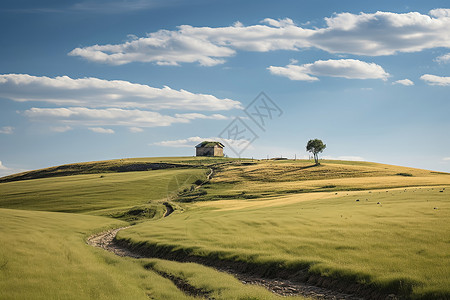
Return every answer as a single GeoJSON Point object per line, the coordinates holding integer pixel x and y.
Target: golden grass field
{"type": "Point", "coordinates": [379, 225]}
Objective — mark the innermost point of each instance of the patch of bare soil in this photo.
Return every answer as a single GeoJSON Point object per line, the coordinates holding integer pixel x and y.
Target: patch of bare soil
{"type": "Point", "coordinates": [106, 240]}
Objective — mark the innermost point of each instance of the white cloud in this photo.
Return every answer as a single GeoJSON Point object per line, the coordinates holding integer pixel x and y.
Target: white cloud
{"type": "Point", "coordinates": [278, 23]}
{"type": "Point", "coordinates": [163, 47]}
{"type": "Point", "coordinates": [193, 116]}
{"type": "Point", "coordinates": [293, 72]}
{"type": "Point", "coordinates": [4, 171]}
{"type": "Point", "coordinates": [60, 128]}
{"type": "Point", "coordinates": [101, 130]}
{"type": "Point", "coordinates": [435, 80]}
{"type": "Point", "coordinates": [346, 68]}
{"type": "Point", "coordinates": [372, 34]}
{"type": "Point", "coordinates": [344, 157]}
{"type": "Point", "coordinates": [112, 7]}
{"type": "Point", "coordinates": [94, 92]}
{"type": "Point", "coordinates": [446, 158]}
{"type": "Point", "coordinates": [183, 143]}
{"type": "Point", "coordinates": [83, 116]}
{"type": "Point", "coordinates": [440, 13]}
{"type": "Point", "coordinates": [405, 82]}
{"type": "Point", "coordinates": [383, 33]}
{"type": "Point", "coordinates": [443, 58]}
{"type": "Point", "coordinates": [2, 167]}
{"type": "Point", "coordinates": [193, 141]}
{"type": "Point", "coordinates": [7, 130]}
{"type": "Point", "coordinates": [135, 129]}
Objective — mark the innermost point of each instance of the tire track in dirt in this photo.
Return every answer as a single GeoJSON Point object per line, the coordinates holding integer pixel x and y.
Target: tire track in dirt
{"type": "Point", "coordinates": [283, 287]}
{"type": "Point", "coordinates": [106, 240]}
{"type": "Point", "coordinates": [182, 284]}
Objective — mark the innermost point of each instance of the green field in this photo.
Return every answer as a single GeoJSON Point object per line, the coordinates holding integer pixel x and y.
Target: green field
{"type": "Point", "coordinates": [44, 256]}
{"type": "Point", "coordinates": [378, 225]}
{"type": "Point", "coordinates": [400, 245]}
{"type": "Point", "coordinates": [103, 193]}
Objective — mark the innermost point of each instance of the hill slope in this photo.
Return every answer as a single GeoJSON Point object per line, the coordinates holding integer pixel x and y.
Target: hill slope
{"type": "Point", "coordinates": [381, 226]}
{"type": "Point", "coordinates": [114, 166]}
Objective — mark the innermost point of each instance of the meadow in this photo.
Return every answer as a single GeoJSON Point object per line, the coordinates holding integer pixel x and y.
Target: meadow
{"type": "Point", "coordinates": [274, 178]}
{"type": "Point", "coordinates": [399, 246]}
{"type": "Point", "coordinates": [44, 256]}
{"type": "Point", "coordinates": [100, 194]}
{"type": "Point", "coordinates": [378, 225]}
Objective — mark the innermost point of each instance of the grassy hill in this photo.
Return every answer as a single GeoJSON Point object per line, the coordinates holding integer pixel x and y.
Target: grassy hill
{"type": "Point", "coordinates": [116, 165]}
{"type": "Point", "coordinates": [44, 256]}
{"type": "Point", "coordinates": [100, 193]}
{"type": "Point", "coordinates": [274, 178]}
{"type": "Point", "coordinates": [377, 225]}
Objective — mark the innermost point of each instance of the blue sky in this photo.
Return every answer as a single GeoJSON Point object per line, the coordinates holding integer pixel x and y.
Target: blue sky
{"type": "Point", "coordinates": [93, 80]}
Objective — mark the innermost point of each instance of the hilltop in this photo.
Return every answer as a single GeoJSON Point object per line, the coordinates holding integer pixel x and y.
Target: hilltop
{"type": "Point", "coordinates": [113, 166]}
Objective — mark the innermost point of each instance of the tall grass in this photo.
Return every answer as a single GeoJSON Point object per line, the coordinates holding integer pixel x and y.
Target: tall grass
{"type": "Point", "coordinates": [44, 256]}
{"type": "Point", "coordinates": [400, 245]}
{"type": "Point", "coordinates": [220, 285]}
{"type": "Point", "coordinates": [267, 213]}
{"type": "Point", "coordinates": [262, 179]}
{"type": "Point", "coordinates": [95, 192]}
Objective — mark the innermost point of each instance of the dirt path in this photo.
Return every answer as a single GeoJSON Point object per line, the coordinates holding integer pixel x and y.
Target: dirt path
{"type": "Point", "coordinates": [283, 287]}
{"type": "Point", "coordinates": [105, 240]}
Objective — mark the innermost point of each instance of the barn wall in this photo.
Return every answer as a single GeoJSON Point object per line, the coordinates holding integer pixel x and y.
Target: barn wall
{"type": "Point", "coordinates": [209, 151]}
{"type": "Point", "coordinates": [203, 151]}
{"type": "Point", "coordinates": [218, 151]}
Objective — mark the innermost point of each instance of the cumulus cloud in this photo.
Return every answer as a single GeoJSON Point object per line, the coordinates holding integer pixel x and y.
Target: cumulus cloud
{"type": "Point", "coordinates": [440, 12]}
{"type": "Point", "coordinates": [163, 47]}
{"type": "Point", "coordinates": [94, 92]}
{"type": "Point", "coordinates": [194, 140]}
{"type": "Point", "coordinates": [405, 82]}
{"type": "Point", "coordinates": [2, 167]}
{"type": "Point", "coordinates": [193, 116]}
{"type": "Point", "coordinates": [135, 129]}
{"type": "Point", "coordinates": [443, 58]}
{"type": "Point", "coordinates": [96, 102]}
{"type": "Point", "coordinates": [369, 34]}
{"type": "Point", "coordinates": [101, 130]}
{"type": "Point", "coordinates": [435, 80]}
{"type": "Point", "coordinates": [83, 116]}
{"type": "Point", "coordinates": [60, 128]}
{"type": "Point", "coordinates": [6, 130]}
{"type": "Point", "coordinates": [183, 143]}
{"type": "Point", "coordinates": [346, 68]}
{"type": "Point", "coordinates": [4, 170]}
{"type": "Point", "coordinates": [344, 157]}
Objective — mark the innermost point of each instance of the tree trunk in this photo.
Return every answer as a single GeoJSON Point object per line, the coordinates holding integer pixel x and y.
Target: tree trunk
{"type": "Point", "coordinates": [316, 158]}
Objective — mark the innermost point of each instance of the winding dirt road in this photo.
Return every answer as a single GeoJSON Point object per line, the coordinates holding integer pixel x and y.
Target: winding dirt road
{"type": "Point", "coordinates": [106, 240]}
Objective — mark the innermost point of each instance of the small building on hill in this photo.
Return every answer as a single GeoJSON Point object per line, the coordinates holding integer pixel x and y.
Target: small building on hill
{"type": "Point", "coordinates": [207, 148]}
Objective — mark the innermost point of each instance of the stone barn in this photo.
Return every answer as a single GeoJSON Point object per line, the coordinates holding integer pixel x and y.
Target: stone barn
{"type": "Point", "coordinates": [209, 149]}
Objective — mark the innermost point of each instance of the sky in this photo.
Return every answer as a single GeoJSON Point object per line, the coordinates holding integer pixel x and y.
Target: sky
{"type": "Point", "coordinates": [95, 80]}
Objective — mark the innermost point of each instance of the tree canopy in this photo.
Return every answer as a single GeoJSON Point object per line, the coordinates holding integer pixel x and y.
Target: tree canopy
{"type": "Point", "coordinates": [315, 146]}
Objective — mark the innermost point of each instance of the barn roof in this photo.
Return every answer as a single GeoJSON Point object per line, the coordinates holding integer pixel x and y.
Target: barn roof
{"type": "Point", "coordinates": [208, 144]}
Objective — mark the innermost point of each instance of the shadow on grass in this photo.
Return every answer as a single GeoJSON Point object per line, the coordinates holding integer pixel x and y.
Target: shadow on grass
{"type": "Point", "coordinates": [359, 285]}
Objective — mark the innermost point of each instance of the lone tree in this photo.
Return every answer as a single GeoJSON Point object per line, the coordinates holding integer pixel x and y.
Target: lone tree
{"type": "Point", "coordinates": [315, 146]}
